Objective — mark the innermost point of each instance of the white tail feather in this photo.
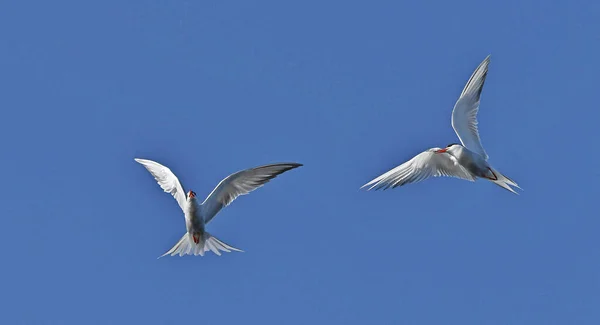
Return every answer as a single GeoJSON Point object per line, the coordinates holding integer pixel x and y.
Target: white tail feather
{"type": "Point", "coordinates": [186, 246]}
{"type": "Point", "coordinates": [504, 181]}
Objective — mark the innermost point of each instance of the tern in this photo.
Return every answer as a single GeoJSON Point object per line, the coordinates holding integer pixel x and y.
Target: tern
{"type": "Point", "coordinates": [467, 160]}
{"type": "Point", "coordinates": [197, 240]}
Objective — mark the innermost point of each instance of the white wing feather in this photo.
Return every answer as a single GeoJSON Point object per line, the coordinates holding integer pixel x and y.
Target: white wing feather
{"type": "Point", "coordinates": [166, 179]}
{"type": "Point", "coordinates": [240, 183]}
{"type": "Point", "coordinates": [424, 165]}
{"type": "Point", "coordinates": [464, 115]}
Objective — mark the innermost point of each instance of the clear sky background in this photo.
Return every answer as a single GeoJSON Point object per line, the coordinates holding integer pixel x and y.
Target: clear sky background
{"type": "Point", "coordinates": [348, 88]}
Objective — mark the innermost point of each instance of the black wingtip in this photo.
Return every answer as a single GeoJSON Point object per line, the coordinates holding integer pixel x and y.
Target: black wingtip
{"type": "Point", "coordinates": [285, 166]}
{"type": "Point", "coordinates": [291, 165]}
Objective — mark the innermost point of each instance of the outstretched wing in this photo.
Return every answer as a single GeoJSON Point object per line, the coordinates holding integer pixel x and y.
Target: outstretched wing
{"type": "Point", "coordinates": [166, 179]}
{"type": "Point", "coordinates": [424, 165]}
{"type": "Point", "coordinates": [464, 115]}
{"type": "Point", "coordinates": [241, 183]}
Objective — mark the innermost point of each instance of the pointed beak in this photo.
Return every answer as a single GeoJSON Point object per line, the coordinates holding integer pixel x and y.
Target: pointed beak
{"type": "Point", "coordinates": [441, 150]}
{"type": "Point", "coordinates": [191, 195]}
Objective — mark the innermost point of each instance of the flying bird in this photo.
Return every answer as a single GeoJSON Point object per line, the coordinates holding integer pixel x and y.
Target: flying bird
{"type": "Point", "coordinates": [467, 160]}
{"type": "Point", "coordinates": [197, 240]}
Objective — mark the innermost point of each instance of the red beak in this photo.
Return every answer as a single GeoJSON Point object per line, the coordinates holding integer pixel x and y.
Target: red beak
{"type": "Point", "coordinates": [441, 150]}
{"type": "Point", "coordinates": [191, 195]}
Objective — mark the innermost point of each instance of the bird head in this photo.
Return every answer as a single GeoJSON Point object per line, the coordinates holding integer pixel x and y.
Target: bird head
{"type": "Point", "coordinates": [451, 147]}
{"type": "Point", "coordinates": [191, 194]}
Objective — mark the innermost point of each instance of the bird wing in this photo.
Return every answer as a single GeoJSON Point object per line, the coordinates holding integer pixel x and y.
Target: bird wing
{"type": "Point", "coordinates": [424, 165]}
{"type": "Point", "coordinates": [166, 179]}
{"type": "Point", "coordinates": [464, 115]}
{"type": "Point", "coordinates": [241, 183]}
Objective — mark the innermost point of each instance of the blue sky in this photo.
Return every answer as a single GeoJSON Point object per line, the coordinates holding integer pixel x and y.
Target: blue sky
{"type": "Point", "coordinates": [348, 88]}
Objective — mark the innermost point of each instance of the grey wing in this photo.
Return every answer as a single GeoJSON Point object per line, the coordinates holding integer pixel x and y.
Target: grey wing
{"type": "Point", "coordinates": [464, 115]}
{"type": "Point", "coordinates": [241, 183]}
{"type": "Point", "coordinates": [424, 165]}
{"type": "Point", "coordinates": [166, 179]}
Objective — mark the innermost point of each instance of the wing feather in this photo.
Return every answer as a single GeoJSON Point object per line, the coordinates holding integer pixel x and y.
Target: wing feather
{"type": "Point", "coordinates": [166, 179]}
{"type": "Point", "coordinates": [241, 183]}
{"type": "Point", "coordinates": [423, 166]}
{"type": "Point", "coordinates": [464, 115]}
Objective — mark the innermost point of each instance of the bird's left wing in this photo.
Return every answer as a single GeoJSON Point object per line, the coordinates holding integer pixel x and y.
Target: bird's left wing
{"type": "Point", "coordinates": [464, 115]}
{"type": "Point", "coordinates": [241, 183]}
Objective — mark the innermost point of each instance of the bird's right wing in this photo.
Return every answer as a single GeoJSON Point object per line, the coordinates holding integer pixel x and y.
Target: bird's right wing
{"type": "Point", "coordinates": [166, 179]}
{"type": "Point", "coordinates": [464, 115]}
{"type": "Point", "coordinates": [424, 165]}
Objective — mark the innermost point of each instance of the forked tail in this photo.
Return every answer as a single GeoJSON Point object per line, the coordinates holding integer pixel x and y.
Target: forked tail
{"type": "Point", "coordinates": [503, 181]}
{"type": "Point", "coordinates": [186, 246]}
